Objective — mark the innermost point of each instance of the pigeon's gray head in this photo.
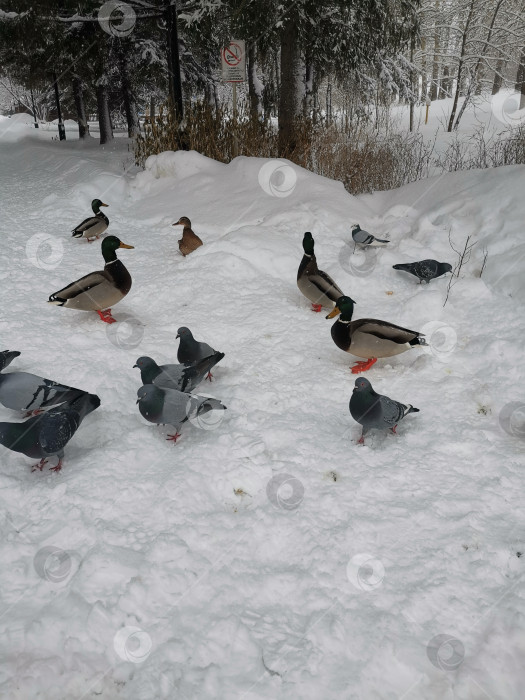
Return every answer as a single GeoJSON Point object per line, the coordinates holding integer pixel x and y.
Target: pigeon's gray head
{"type": "Point", "coordinates": [149, 392]}
{"type": "Point", "coordinates": [184, 332]}
{"type": "Point", "coordinates": [362, 384]}
{"type": "Point", "coordinates": [356, 227]}
{"type": "Point", "coordinates": [144, 392]}
{"type": "Point", "coordinates": [446, 267]}
{"type": "Point", "coordinates": [145, 363]}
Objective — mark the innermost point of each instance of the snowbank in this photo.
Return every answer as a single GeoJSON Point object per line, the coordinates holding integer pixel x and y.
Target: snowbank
{"type": "Point", "coordinates": [270, 557]}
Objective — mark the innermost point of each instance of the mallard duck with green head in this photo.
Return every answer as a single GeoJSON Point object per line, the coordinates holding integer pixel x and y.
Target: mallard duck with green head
{"type": "Point", "coordinates": [94, 226]}
{"type": "Point", "coordinates": [368, 337]}
{"type": "Point", "coordinates": [318, 287]}
{"type": "Point", "coordinates": [99, 290]}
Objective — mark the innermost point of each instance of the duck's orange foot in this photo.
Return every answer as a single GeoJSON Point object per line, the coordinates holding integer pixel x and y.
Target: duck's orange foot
{"type": "Point", "coordinates": [173, 438]}
{"type": "Point", "coordinates": [106, 316]}
{"type": "Point", "coordinates": [57, 468]}
{"type": "Point", "coordinates": [362, 366]}
{"type": "Point", "coordinates": [40, 465]}
{"type": "Point", "coordinates": [317, 307]}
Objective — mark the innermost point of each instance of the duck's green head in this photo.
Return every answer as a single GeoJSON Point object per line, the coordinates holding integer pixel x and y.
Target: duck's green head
{"type": "Point", "coordinates": [109, 247]}
{"type": "Point", "coordinates": [96, 204]}
{"type": "Point", "coordinates": [308, 243]}
{"type": "Point", "coordinates": [345, 307]}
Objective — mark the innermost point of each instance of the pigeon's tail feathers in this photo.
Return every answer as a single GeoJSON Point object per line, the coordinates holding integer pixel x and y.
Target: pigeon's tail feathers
{"type": "Point", "coordinates": [85, 403]}
{"type": "Point", "coordinates": [6, 357]}
{"type": "Point", "coordinates": [214, 405]}
{"type": "Point", "coordinates": [402, 266]}
{"type": "Point", "coordinates": [410, 409]}
{"type": "Point", "coordinates": [380, 241]}
{"type": "Point", "coordinates": [53, 299]}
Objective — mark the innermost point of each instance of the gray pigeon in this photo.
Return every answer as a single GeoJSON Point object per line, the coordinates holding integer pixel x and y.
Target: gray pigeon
{"type": "Point", "coordinates": [180, 377]}
{"type": "Point", "coordinates": [47, 435]}
{"type": "Point", "coordinates": [366, 239]}
{"type": "Point", "coordinates": [191, 350]}
{"type": "Point", "coordinates": [6, 357]}
{"type": "Point", "coordinates": [425, 269]}
{"type": "Point", "coordinates": [22, 391]}
{"type": "Point", "coordinates": [172, 407]}
{"type": "Point", "coordinates": [373, 410]}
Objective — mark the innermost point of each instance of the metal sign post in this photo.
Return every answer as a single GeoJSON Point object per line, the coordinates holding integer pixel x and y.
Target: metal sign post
{"type": "Point", "coordinates": [233, 64]}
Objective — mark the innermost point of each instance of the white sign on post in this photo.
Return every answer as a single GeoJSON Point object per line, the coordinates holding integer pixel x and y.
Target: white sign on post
{"type": "Point", "coordinates": [233, 62]}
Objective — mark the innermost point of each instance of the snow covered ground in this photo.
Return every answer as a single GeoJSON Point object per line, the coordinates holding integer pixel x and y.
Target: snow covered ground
{"type": "Point", "coordinates": [270, 556]}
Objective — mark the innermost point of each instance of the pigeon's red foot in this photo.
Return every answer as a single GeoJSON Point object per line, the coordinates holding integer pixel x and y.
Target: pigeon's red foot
{"type": "Point", "coordinates": [57, 468]}
{"type": "Point", "coordinates": [317, 307]}
{"type": "Point", "coordinates": [173, 438]}
{"type": "Point", "coordinates": [394, 429]}
{"type": "Point", "coordinates": [361, 440]}
{"type": "Point", "coordinates": [40, 465]}
{"type": "Point", "coordinates": [209, 376]}
{"type": "Point", "coordinates": [36, 412]}
{"type": "Point", "coordinates": [106, 316]}
{"type": "Point", "coordinates": [362, 366]}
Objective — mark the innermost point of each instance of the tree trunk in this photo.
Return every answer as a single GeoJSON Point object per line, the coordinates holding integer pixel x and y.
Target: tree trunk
{"type": "Point", "coordinates": [152, 110]}
{"type": "Point", "coordinates": [435, 63]}
{"type": "Point", "coordinates": [444, 88]}
{"type": "Point", "coordinates": [498, 77]}
{"type": "Point", "coordinates": [412, 84]}
{"type": "Point", "coordinates": [476, 76]}
{"type": "Point", "coordinates": [291, 88]}
{"type": "Point", "coordinates": [424, 70]}
{"type": "Point", "coordinates": [130, 106]}
{"type": "Point", "coordinates": [459, 76]}
{"type": "Point", "coordinates": [175, 84]}
{"type": "Point", "coordinates": [255, 87]}
{"type": "Point", "coordinates": [309, 88]}
{"type": "Point", "coordinates": [104, 119]}
{"type": "Point", "coordinates": [78, 96]}
{"type": "Point", "coordinates": [520, 79]}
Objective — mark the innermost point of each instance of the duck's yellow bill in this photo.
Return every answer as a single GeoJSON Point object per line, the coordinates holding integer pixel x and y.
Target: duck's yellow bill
{"type": "Point", "coordinates": [333, 313]}
{"type": "Point", "coordinates": [125, 245]}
